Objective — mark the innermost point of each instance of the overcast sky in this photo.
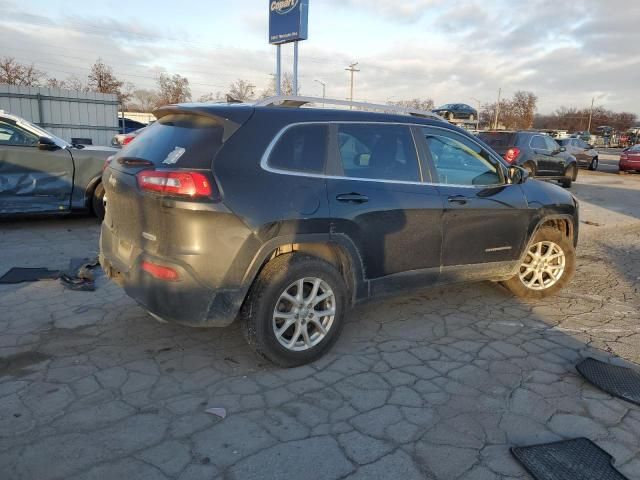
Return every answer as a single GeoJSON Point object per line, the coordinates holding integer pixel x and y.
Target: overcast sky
{"type": "Point", "coordinates": [566, 52]}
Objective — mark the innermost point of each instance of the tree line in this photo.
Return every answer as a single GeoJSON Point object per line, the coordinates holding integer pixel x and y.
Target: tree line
{"type": "Point", "coordinates": [517, 112]}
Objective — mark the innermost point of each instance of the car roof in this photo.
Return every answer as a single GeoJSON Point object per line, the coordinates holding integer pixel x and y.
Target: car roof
{"type": "Point", "coordinates": [238, 111]}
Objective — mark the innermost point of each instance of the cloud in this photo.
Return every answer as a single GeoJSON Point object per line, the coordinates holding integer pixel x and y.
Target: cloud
{"type": "Point", "coordinates": [408, 11]}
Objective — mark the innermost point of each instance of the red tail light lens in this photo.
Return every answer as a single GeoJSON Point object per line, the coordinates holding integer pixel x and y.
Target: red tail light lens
{"type": "Point", "coordinates": [179, 183]}
{"type": "Point", "coordinates": [512, 154]}
{"type": "Point", "coordinates": [160, 272]}
{"type": "Point", "coordinates": [128, 139]}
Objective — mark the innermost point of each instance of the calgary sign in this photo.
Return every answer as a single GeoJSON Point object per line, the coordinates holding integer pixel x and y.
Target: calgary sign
{"type": "Point", "coordinates": [288, 20]}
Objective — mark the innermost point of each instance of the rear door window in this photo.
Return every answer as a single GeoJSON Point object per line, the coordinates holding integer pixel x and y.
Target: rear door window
{"type": "Point", "coordinates": [380, 152]}
{"type": "Point", "coordinates": [301, 148]}
{"type": "Point", "coordinates": [178, 141]}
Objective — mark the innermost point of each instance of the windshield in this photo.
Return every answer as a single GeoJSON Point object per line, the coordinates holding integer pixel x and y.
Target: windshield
{"type": "Point", "coordinates": [41, 132]}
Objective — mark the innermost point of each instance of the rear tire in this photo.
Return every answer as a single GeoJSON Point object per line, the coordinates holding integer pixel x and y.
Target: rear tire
{"type": "Point", "coordinates": [97, 201]}
{"type": "Point", "coordinates": [570, 175]}
{"type": "Point", "coordinates": [594, 164]}
{"type": "Point", "coordinates": [524, 284]}
{"type": "Point", "coordinates": [277, 310]}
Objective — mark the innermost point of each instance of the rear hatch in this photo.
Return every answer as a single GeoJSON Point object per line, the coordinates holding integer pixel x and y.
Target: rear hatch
{"type": "Point", "coordinates": [184, 140]}
{"type": "Point", "coordinates": [500, 142]}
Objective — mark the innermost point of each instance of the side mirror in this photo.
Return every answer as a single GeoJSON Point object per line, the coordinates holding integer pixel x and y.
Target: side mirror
{"type": "Point", "coordinates": [517, 174]}
{"type": "Point", "coordinates": [45, 143]}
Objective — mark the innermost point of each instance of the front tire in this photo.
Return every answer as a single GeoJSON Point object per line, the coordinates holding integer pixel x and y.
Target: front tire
{"type": "Point", "coordinates": [295, 310]}
{"type": "Point", "coordinates": [97, 201]}
{"type": "Point", "coordinates": [547, 267]}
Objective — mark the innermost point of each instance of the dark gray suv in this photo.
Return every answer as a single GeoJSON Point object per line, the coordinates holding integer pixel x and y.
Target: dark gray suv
{"type": "Point", "coordinates": [285, 217]}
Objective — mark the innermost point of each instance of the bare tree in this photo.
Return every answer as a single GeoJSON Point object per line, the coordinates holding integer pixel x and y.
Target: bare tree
{"type": "Point", "coordinates": [211, 97]}
{"type": "Point", "coordinates": [70, 83]}
{"type": "Point", "coordinates": [577, 119]}
{"type": "Point", "coordinates": [241, 90]}
{"type": "Point", "coordinates": [415, 103]}
{"type": "Point", "coordinates": [15, 73]}
{"type": "Point", "coordinates": [101, 79]}
{"type": "Point", "coordinates": [516, 113]}
{"type": "Point", "coordinates": [286, 86]}
{"type": "Point", "coordinates": [143, 100]}
{"type": "Point", "coordinates": [173, 89]}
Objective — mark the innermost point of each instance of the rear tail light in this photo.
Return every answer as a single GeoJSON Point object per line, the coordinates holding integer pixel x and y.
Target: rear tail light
{"type": "Point", "coordinates": [178, 183]}
{"type": "Point", "coordinates": [128, 139]}
{"type": "Point", "coordinates": [512, 154]}
{"type": "Point", "coordinates": [160, 272]}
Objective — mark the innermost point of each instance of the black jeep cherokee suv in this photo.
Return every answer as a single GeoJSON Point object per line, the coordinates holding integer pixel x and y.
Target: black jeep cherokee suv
{"type": "Point", "coordinates": [285, 217]}
{"type": "Point", "coordinates": [537, 152]}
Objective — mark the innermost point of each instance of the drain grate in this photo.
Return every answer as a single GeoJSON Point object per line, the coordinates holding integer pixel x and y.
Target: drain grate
{"type": "Point", "coordinates": [620, 382]}
{"type": "Point", "coordinates": [577, 459]}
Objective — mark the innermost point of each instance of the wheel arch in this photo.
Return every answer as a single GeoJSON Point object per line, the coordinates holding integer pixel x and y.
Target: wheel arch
{"type": "Point", "coordinates": [336, 250]}
{"type": "Point", "coordinates": [89, 189]}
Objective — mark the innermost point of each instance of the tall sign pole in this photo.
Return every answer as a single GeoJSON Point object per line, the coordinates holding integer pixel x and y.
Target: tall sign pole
{"type": "Point", "coordinates": [288, 22]}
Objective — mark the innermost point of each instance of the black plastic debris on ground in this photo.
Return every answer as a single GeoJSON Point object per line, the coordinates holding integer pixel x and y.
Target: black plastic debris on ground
{"type": "Point", "coordinates": [577, 459]}
{"type": "Point", "coordinates": [620, 382]}
{"type": "Point", "coordinates": [19, 275]}
{"type": "Point", "coordinates": [79, 276]}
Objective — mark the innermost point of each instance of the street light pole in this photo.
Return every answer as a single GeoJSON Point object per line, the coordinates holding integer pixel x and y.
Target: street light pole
{"type": "Point", "coordinates": [590, 115]}
{"type": "Point", "coordinates": [324, 85]}
{"type": "Point", "coordinates": [352, 68]}
{"type": "Point", "coordinates": [495, 121]}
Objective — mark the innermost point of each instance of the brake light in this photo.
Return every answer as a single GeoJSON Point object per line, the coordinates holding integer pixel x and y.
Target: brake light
{"type": "Point", "coordinates": [128, 139]}
{"type": "Point", "coordinates": [160, 272]}
{"type": "Point", "coordinates": [512, 154]}
{"type": "Point", "coordinates": [173, 182]}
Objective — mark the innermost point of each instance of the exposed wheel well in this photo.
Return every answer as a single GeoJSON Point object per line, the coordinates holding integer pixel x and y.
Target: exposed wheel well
{"type": "Point", "coordinates": [564, 226]}
{"type": "Point", "coordinates": [332, 253]}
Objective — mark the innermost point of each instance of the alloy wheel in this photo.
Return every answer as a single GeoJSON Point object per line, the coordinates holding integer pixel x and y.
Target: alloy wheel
{"type": "Point", "coordinates": [543, 265]}
{"type": "Point", "coordinates": [304, 314]}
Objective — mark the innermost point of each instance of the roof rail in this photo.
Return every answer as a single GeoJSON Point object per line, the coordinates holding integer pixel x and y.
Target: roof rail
{"type": "Point", "coordinates": [294, 101]}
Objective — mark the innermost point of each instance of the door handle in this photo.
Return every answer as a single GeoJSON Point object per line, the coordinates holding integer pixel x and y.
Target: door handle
{"type": "Point", "coordinates": [352, 198]}
{"type": "Point", "coordinates": [459, 199]}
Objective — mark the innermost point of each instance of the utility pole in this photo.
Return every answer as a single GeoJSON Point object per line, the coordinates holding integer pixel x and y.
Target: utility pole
{"type": "Point", "coordinates": [495, 120]}
{"type": "Point", "coordinates": [593, 99]}
{"type": "Point", "coordinates": [352, 68]}
{"type": "Point", "coordinates": [324, 85]}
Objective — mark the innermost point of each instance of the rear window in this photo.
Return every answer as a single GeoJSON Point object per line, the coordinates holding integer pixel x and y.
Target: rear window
{"type": "Point", "coordinates": [178, 141]}
{"type": "Point", "coordinates": [301, 148]}
{"type": "Point", "coordinates": [498, 139]}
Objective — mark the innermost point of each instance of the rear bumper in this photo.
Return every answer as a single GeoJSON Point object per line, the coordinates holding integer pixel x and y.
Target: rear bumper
{"type": "Point", "coordinates": [186, 301]}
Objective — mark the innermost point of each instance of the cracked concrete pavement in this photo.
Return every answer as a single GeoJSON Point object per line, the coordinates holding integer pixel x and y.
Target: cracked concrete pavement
{"type": "Point", "coordinates": [430, 385]}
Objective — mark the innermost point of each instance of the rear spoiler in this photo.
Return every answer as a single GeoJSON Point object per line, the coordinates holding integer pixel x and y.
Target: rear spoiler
{"type": "Point", "coordinates": [230, 118]}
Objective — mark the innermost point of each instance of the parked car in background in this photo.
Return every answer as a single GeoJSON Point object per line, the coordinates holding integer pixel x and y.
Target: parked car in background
{"type": "Point", "coordinates": [123, 139]}
{"type": "Point", "coordinates": [41, 173]}
{"type": "Point", "coordinates": [455, 111]}
{"type": "Point", "coordinates": [585, 153]}
{"type": "Point", "coordinates": [126, 125]}
{"type": "Point", "coordinates": [537, 152]}
{"type": "Point", "coordinates": [285, 217]}
{"type": "Point", "coordinates": [630, 159]}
